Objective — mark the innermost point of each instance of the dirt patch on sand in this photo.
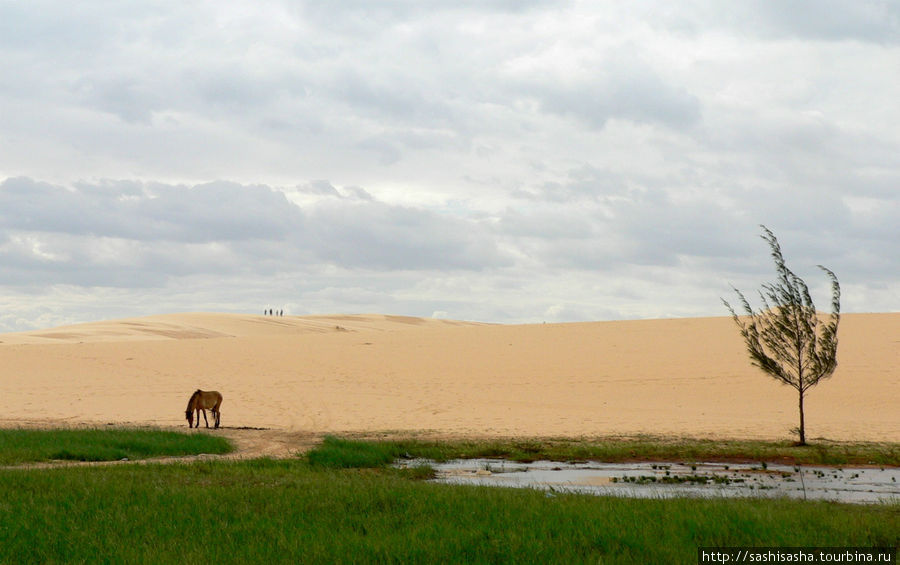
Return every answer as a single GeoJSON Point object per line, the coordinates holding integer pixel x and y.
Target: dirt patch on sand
{"type": "Point", "coordinates": [250, 443]}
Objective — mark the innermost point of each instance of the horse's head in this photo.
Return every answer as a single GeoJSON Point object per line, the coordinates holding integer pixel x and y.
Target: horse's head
{"type": "Point", "coordinates": [189, 414]}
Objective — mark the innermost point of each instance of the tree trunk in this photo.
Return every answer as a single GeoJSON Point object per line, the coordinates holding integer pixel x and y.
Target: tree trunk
{"type": "Point", "coordinates": [802, 428]}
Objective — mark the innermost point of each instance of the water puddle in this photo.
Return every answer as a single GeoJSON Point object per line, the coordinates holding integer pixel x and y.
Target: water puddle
{"type": "Point", "coordinates": [663, 480]}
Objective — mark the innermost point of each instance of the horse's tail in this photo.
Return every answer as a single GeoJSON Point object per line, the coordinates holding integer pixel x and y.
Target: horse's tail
{"type": "Point", "coordinates": [218, 402]}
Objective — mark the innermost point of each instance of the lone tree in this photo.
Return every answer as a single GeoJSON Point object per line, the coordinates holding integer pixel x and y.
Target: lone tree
{"type": "Point", "coordinates": [786, 338]}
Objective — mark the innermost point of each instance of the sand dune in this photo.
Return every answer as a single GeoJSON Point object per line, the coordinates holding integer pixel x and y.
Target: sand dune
{"type": "Point", "coordinates": [346, 373]}
{"type": "Point", "coordinates": [211, 325]}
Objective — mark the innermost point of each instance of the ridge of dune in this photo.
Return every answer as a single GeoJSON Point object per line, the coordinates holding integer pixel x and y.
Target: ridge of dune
{"type": "Point", "coordinates": [208, 325]}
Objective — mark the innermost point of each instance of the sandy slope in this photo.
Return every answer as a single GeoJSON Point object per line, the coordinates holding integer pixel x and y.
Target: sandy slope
{"type": "Point", "coordinates": [372, 373]}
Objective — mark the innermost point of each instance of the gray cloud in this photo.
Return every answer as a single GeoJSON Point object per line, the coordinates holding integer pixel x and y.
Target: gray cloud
{"type": "Point", "coordinates": [876, 21]}
{"type": "Point", "coordinates": [866, 20]}
{"type": "Point", "coordinates": [209, 212]}
{"type": "Point", "coordinates": [380, 236]}
{"type": "Point", "coordinates": [507, 161]}
{"type": "Point", "coordinates": [135, 234]}
{"type": "Point", "coordinates": [623, 88]}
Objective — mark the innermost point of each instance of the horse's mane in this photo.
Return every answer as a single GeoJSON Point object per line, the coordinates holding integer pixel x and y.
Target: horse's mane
{"type": "Point", "coordinates": [191, 400]}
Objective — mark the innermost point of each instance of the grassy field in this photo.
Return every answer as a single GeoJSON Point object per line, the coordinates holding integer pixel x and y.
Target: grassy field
{"type": "Point", "coordinates": [644, 449]}
{"type": "Point", "coordinates": [342, 504]}
{"type": "Point", "coordinates": [292, 511]}
{"type": "Point", "coordinates": [19, 446]}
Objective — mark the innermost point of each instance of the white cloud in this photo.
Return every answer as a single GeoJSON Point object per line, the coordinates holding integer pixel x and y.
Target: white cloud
{"type": "Point", "coordinates": [506, 161]}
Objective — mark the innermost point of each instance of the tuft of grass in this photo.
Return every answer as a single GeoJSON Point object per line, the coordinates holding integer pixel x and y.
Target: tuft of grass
{"type": "Point", "coordinates": [418, 472]}
{"type": "Point", "coordinates": [337, 453]}
{"type": "Point", "coordinates": [18, 446]}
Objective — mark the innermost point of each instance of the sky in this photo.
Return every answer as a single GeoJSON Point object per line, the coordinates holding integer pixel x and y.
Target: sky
{"type": "Point", "coordinates": [511, 161]}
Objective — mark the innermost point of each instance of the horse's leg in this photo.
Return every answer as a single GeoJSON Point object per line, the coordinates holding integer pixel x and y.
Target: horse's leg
{"type": "Point", "coordinates": [197, 417]}
{"type": "Point", "coordinates": [217, 410]}
{"type": "Point", "coordinates": [204, 418]}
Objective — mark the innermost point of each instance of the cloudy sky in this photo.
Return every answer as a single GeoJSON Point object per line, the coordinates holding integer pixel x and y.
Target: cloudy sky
{"type": "Point", "coordinates": [505, 161]}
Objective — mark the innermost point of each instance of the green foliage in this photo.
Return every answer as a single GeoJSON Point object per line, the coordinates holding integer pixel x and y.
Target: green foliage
{"type": "Point", "coordinates": [19, 446]}
{"type": "Point", "coordinates": [786, 338]}
{"type": "Point", "coordinates": [649, 448]}
{"type": "Point", "coordinates": [317, 510]}
{"type": "Point", "coordinates": [287, 511]}
{"type": "Point", "coordinates": [337, 453]}
{"type": "Point", "coordinates": [418, 472]}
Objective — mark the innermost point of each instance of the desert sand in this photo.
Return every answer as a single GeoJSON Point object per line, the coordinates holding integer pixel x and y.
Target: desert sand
{"type": "Point", "coordinates": [303, 376]}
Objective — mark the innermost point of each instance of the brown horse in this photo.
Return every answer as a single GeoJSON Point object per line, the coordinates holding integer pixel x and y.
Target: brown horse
{"type": "Point", "coordinates": [200, 401]}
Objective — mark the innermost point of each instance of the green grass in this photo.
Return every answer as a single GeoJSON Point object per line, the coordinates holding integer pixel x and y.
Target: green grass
{"type": "Point", "coordinates": [337, 453]}
{"type": "Point", "coordinates": [291, 511]}
{"type": "Point", "coordinates": [343, 503]}
{"type": "Point", "coordinates": [653, 449]}
{"type": "Point", "coordinates": [18, 446]}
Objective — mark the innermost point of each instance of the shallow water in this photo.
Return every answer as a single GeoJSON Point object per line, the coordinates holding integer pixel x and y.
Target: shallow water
{"type": "Point", "coordinates": [663, 480]}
